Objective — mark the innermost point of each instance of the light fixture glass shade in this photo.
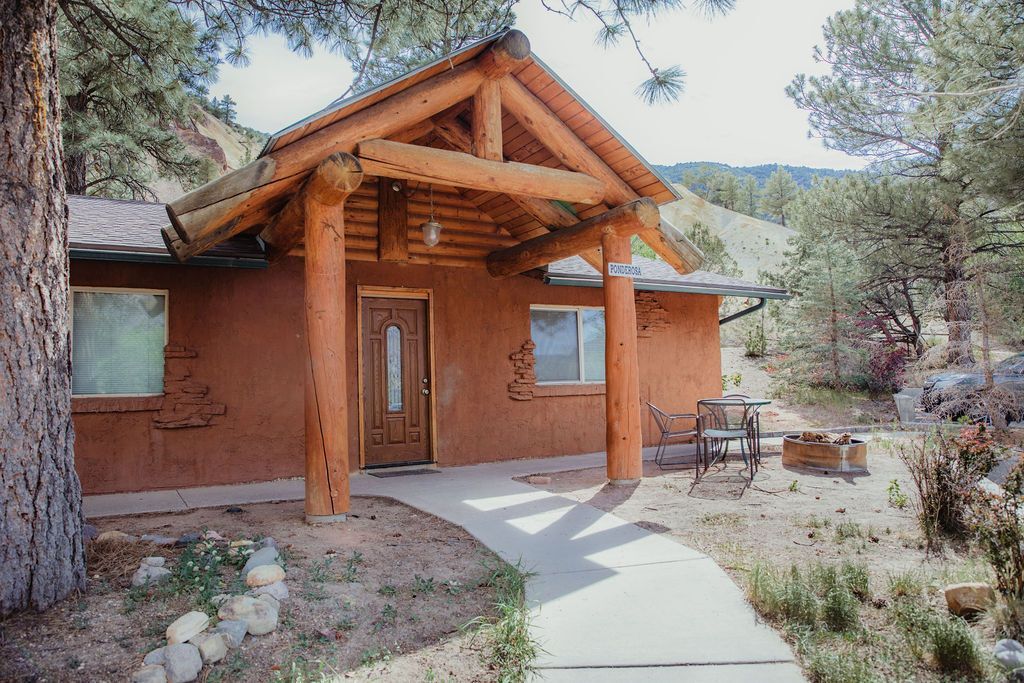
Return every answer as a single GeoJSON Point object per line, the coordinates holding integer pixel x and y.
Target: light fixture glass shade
{"type": "Point", "coordinates": [431, 232]}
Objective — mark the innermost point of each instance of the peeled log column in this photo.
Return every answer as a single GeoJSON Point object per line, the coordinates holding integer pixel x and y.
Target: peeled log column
{"type": "Point", "coordinates": [622, 368]}
{"type": "Point", "coordinates": [326, 409]}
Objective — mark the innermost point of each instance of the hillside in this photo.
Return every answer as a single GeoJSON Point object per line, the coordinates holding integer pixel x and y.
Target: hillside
{"type": "Point", "coordinates": [756, 245]}
{"type": "Point", "coordinates": [227, 146]}
{"type": "Point", "coordinates": [801, 174]}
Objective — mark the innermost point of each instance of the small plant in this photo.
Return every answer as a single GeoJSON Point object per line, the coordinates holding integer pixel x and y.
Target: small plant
{"type": "Point", "coordinates": [755, 343]}
{"type": "Point", "coordinates": [387, 590]}
{"type": "Point", "coordinates": [320, 570]}
{"type": "Point", "coordinates": [373, 655]}
{"type": "Point", "coordinates": [840, 609]}
{"type": "Point", "coordinates": [857, 578]}
{"type": "Point", "coordinates": [735, 379]}
{"type": "Point", "coordinates": [452, 587]}
{"type": "Point", "coordinates": [344, 624]}
{"type": "Point", "coordinates": [388, 615]}
{"type": "Point", "coordinates": [198, 573]}
{"type": "Point", "coordinates": [1000, 534]}
{"type": "Point", "coordinates": [826, 666]}
{"type": "Point", "coordinates": [784, 597]}
{"type": "Point", "coordinates": [510, 648]}
{"type": "Point", "coordinates": [897, 498]}
{"type": "Point", "coordinates": [794, 486]}
{"type": "Point", "coordinates": [352, 567]}
{"type": "Point", "coordinates": [847, 530]}
{"type": "Point", "coordinates": [423, 585]}
{"type": "Point", "coordinates": [945, 640]}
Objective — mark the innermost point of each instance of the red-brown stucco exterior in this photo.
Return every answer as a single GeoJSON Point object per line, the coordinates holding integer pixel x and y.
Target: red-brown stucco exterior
{"type": "Point", "coordinates": [246, 328]}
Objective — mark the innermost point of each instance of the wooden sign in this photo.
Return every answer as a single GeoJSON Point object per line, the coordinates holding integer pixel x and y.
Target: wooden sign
{"type": "Point", "coordinates": [624, 270]}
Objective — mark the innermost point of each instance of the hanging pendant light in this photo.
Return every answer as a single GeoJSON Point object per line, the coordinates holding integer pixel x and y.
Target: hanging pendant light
{"type": "Point", "coordinates": [431, 229]}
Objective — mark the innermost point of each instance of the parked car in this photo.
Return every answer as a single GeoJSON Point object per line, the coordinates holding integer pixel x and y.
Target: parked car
{"type": "Point", "coordinates": [953, 393]}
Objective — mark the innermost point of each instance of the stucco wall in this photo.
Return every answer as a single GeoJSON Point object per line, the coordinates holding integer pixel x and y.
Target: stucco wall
{"type": "Point", "coordinates": [245, 327]}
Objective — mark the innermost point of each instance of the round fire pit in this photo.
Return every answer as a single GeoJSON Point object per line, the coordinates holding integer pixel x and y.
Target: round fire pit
{"type": "Point", "coordinates": [849, 457]}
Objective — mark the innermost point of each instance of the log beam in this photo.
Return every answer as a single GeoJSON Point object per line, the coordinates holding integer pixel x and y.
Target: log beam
{"type": "Point", "coordinates": [326, 396]}
{"type": "Point", "coordinates": [444, 167]}
{"type": "Point", "coordinates": [487, 121]}
{"type": "Point", "coordinates": [337, 173]}
{"type": "Point", "coordinates": [392, 221]}
{"type": "Point", "coordinates": [623, 221]}
{"type": "Point", "coordinates": [623, 438]}
{"type": "Point", "coordinates": [535, 116]}
{"type": "Point", "coordinates": [223, 208]}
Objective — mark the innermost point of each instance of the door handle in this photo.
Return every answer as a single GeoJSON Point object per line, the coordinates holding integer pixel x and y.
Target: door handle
{"type": "Point", "coordinates": [425, 392]}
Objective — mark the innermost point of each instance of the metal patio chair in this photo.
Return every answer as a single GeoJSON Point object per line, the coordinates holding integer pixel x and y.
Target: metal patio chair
{"type": "Point", "coordinates": [669, 430]}
{"type": "Point", "coordinates": [723, 420]}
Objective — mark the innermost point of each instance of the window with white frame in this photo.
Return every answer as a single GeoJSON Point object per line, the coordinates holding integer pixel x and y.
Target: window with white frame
{"type": "Point", "coordinates": [117, 341]}
{"type": "Point", "coordinates": [570, 344]}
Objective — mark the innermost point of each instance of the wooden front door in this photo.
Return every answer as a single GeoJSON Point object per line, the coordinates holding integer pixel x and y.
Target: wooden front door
{"type": "Point", "coordinates": [396, 381]}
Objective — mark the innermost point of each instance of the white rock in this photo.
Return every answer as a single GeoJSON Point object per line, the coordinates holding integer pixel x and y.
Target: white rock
{"type": "Point", "coordinates": [182, 662]}
{"type": "Point", "coordinates": [216, 600]}
{"type": "Point", "coordinates": [115, 536]}
{"type": "Point", "coordinates": [260, 557]}
{"type": "Point", "coordinates": [240, 543]}
{"type": "Point", "coordinates": [154, 561]}
{"type": "Point", "coordinates": [212, 647]}
{"type": "Point", "coordinates": [152, 673]}
{"type": "Point", "coordinates": [1009, 653]}
{"type": "Point", "coordinates": [212, 535]}
{"type": "Point", "coordinates": [270, 600]}
{"type": "Point", "coordinates": [147, 574]}
{"type": "Point", "coordinates": [264, 575]}
{"type": "Point", "coordinates": [268, 542]}
{"type": "Point", "coordinates": [258, 616]}
{"type": "Point", "coordinates": [278, 589]}
{"type": "Point", "coordinates": [155, 657]}
{"type": "Point", "coordinates": [186, 627]}
{"type": "Point", "coordinates": [233, 630]}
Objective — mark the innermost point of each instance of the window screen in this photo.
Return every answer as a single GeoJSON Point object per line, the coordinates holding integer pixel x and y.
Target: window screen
{"type": "Point", "coordinates": [118, 342]}
{"type": "Point", "coordinates": [570, 344]}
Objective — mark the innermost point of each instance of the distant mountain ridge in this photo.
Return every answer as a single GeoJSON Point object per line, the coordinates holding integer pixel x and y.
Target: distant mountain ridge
{"type": "Point", "coordinates": [801, 174]}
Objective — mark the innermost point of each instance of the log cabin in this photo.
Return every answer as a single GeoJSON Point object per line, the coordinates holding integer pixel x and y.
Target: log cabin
{"type": "Point", "coordinates": [437, 271]}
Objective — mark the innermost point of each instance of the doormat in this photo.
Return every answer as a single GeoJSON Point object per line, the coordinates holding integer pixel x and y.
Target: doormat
{"type": "Point", "coordinates": [401, 473]}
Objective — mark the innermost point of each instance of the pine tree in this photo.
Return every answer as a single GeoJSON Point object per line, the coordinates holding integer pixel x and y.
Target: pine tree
{"type": "Point", "coordinates": [227, 109]}
{"type": "Point", "coordinates": [779, 190]}
{"type": "Point", "coordinates": [876, 103]}
{"type": "Point", "coordinates": [750, 195]}
{"type": "Point", "coordinates": [716, 255]}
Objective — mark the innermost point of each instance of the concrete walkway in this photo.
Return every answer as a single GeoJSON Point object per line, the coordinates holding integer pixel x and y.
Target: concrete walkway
{"type": "Point", "coordinates": [610, 601]}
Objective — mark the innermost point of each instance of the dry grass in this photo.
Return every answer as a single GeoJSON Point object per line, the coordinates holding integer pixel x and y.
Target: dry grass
{"type": "Point", "coordinates": [115, 561]}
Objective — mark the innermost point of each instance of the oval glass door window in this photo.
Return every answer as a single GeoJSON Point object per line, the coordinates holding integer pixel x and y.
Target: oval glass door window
{"type": "Point", "coordinates": [393, 339]}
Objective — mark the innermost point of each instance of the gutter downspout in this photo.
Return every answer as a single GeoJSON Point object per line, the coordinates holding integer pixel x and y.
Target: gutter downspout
{"type": "Point", "coordinates": [746, 311]}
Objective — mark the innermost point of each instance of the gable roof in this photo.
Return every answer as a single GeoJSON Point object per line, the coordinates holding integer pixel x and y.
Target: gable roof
{"type": "Point", "coordinates": [544, 124]}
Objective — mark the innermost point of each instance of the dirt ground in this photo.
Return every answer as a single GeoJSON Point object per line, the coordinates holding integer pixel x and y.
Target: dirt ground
{"type": "Point", "coordinates": [386, 594]}
{"type": "Point", "coordinates": [790, 516]}
{"type": "Point", "coordinates": [804, 408]}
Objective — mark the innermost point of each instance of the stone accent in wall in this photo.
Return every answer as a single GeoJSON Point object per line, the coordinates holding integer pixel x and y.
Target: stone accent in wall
{"type": "Point", "coordinates": [185, 402]}
{"type": "Point", "coordinates": [650, 314]}
{"type": "Point", "coordinates": [522, 385]}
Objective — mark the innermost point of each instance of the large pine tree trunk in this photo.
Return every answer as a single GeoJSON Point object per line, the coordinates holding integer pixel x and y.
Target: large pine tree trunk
{"type": "Point", "coordinates": [958, 301]}
{"type": "Point", "coordinates": [41, 553]}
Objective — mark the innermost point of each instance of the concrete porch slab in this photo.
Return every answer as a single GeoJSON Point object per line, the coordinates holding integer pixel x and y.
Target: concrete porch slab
{"type": "Point", "coordinates": [736, 673]}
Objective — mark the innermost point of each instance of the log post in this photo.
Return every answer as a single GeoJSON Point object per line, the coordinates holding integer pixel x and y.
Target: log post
{"type": "Point", "coordinates": [622, 368]}
{"type": "Point", "coordinates": [326, 409]}
{"type": "Point", "coordinates": [487, 121]}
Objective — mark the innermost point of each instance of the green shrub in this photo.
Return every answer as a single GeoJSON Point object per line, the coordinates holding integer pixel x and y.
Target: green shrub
{"type": "Point", "coordinates": [840, 609]}
{"type": "Point", "coordinates": [838, 667]}
{"type": "Point", "coordinates": [856, 577]}
{"type": "Point", "coordinates": [946, 640]}
{"type": "Point", "coordinates": [908, 584]}
{"type": "Point", "coordinates": [847, 530]}
{"type": "Point", "coordinates": [785, 597]}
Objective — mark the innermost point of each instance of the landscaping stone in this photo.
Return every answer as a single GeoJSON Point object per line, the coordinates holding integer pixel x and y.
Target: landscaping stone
{"type": "Point", "coordinates": [216, 600]}
{"type": "Point", "coordinates": [278, 589]}
{"type": "Point", "coordinates": [264, 575]}
{"type": "Point", "coordinates": [186, 627]}
{"type": "Point", "coordinates": [156, 539]}
{"type": "Point", "coordinates": [270, 600]}
{"type": "Point", "coordinates": [211, 535]}
{"type": "Point", "coordinates": [213, 647]}
{"type": "Point", "coordinates": [1009, 654]}
{"type": "Point", "coordinates": [234, 510]}
{"type": "Point", "coordinates": [242, 542]}
{"type": "Point", "coordinates": [189, 537]}
{"type": "Point", "coordinates": [259, 558]}
{"type": "Point", "coordinates": [965, 599]}
{"type": "Point", "coordinates": [89, 532]}
{"type": "Point", "coordinates": [182, 662]}
{"type": "Point", "coordinates": [539, 480]}
{"type": "Point", "coordinates": [233, 630]}
{"type": "Point", "coordinates": [153, 673]}
{"type": "Point", "coordinates": [155, 657]}
{"type": "Point", "coordinates": [147, 574]}
{"type": "Point", "coordinates": [154, 561]}
{"type": "Point", "coordinates": [259, 617]}
{"type": "Point", "coordinates": [268, 542]}
{"type": "Point", "coordinates": [115, 536]}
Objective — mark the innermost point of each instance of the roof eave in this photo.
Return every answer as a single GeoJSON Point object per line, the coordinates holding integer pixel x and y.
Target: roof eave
{"type": "Point", "coordinates": [669, 286]}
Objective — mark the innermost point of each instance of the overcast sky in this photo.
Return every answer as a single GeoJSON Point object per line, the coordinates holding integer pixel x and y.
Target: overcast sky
{"type": "Point", "coordinates": [733, 110]}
